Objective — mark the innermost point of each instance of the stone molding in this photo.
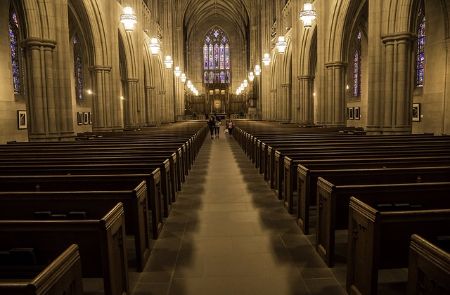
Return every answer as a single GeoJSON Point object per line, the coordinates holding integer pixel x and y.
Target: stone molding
{"type": "Point", "coordinates": [38, 42]}
{"type": "Point", "coordinates": [400, 36]}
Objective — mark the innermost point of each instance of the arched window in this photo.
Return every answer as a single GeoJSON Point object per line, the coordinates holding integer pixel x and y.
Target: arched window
{"type": "Point", "coordinates": [357, 66]}
{"type": "Point", "coordinates": [420, 54]}
{"type": "Point", "coordinates": [216, 57]}
{"type": "Point", "coordinates": [14, 41]}
{"type": "Point", "coordinates": [78, 66]}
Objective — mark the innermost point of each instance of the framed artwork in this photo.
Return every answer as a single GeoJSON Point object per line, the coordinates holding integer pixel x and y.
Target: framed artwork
{"type": "Point", "coordinates": [79, 118]}
{"type": "Point", "coordinates": [22, 120]}
{"type": "Point", "coordinates": [416, 112]}
{"type": "Point", "coordinates": [357, 113]}
{"type": "Point", "coordinates": [351, 113]}
{"type": "Point", "coordinates": [85, 118]}
{"type": "Point", "coordinates": [90, 118]}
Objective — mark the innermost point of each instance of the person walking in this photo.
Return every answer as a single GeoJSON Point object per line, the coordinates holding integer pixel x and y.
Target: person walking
{"type": "Point", "coordinates": [211, 126]}
{"type": "Point", "coordinates": [217, 126]}
{"type": "Point", "coordinates": [230, 127]}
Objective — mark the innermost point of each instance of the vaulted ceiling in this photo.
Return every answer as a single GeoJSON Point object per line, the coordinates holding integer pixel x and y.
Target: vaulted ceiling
{"type": "Point", "coordinates": [199, 13]}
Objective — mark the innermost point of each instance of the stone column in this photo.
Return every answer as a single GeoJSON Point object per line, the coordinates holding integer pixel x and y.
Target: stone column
{"type": "Point", "coordinates": [334, 100]}
{"type": "Point", "coordinates": [272, 105]}
{"type": "Point", "coordinates": [105, 107]}
{"type": "Point", "coordinates": [149, 112]}
{"type": "Point", "coordinates": [306, 84]}
{"type": "Point", "coordinates": [158, 108]}
{"type": "Point", "coordinates": [446, 100]}
{"type": "Point", "coordinates": [131, 104]}
{"type": "Point", "coordinates": [286, 104]}
{"type": "Point", "coordinates": [396, 103]}
{"type": "Point", "coordinates": [41, 96]}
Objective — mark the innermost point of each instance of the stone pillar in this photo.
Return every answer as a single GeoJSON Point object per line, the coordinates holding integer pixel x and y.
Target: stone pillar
{"type": "Point", "coordinates": [131, 104]}
{"type": "Point", "coordinates": [273, 105]}
{"type": "Point", "coordinates": [334, 103]}
{"type": "Point", "coordinates": [306, 85]}
{"type": "Point", "coordinates": [149, 113]}
{"type": "Point", "coordinates": [286, 104]}
{"type": "Point", "coordinates": [446, 100]}
{"type": "Point", "coordinates": [105, 107]}
{"type": "Point", "coordinates": [159, 104]}
{"type": "Point", "coordinates": [395, 105]}
{"type": "Point", "coordinates": [41, 104]}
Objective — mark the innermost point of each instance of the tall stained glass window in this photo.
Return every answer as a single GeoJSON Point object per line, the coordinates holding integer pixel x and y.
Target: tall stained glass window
{"type": "Point", "coordinates": [14, 40]}
{"type": "Point", "coordinates": [216, 57]}
{"type": "Point", "coordinates": [357, 66]}
{"type": "Point", "coordinates": [78, 66]}
{"type": "Point", "coordinates": [420, 54]}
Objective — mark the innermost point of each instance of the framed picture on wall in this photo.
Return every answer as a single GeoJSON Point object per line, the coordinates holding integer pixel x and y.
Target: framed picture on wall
{"type": "Point", "coordinates": [351, 113]}
{"type": "Point", "coordinates": [416, 112]}
{"type": "Point", "coordinates": [22, 120]}
{"type": "Point", "coordinates": [357, 113]}
{"type": "Point", "coordinates": [79, 118]}
{"type": "Point", "coordinates": [85, 118]}
{"type": "Point", "coordinates": [90, 118]}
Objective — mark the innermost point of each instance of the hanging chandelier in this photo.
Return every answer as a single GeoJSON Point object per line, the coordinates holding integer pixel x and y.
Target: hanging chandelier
{"type": "Point", "coordinates": [257, 70]}
{"type": "Point", "coordinates": [128, 19]}
{"type": "Point", "coordinates": [177, 72]}
{"type": "Point", "coordinates": [251, 76]}
{"type": "Point", "coordinates": [154, 45]}
{"type": "Point", "coordinates": [307, 15]}
{"type": "Point", "coordinates": [183, 78]}
{"type": "Point", "coordinates": [266, 59]}
{"type": "Point", "coordinates": [281, 44]}
{"type": "Point", "coordinates": [168, 62]}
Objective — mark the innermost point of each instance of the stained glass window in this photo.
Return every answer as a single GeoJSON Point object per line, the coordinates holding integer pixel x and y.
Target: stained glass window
{"type": "Point", "coordinates": [14, 40]}
{"type": "Point", "coordinates": [357, 67]}
{"type": "Point", "coordinates": [420, 54]}
{"type": "Point", "coordinates": [216, 57]}
{"type": "Point", "coordinates": [78, 66]}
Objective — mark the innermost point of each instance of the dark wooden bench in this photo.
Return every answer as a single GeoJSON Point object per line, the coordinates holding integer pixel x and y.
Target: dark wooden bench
{"type": "Point", "coordinates": [380, 231]}
{"type": "Point", "coordinates": [100, 237]}
{"type": "Point", "coordinates": [429, 266]}
{"type": "Point", "coordinates": [54, 274]}
{"type": "Point", "coordinates": [333, 204]}
{"type": "Point", "coordinates": [77, 192]}
{"type": "Point", "coordinates": [153, 180]}
{"type": "Point", "coordinates": [353, 170]}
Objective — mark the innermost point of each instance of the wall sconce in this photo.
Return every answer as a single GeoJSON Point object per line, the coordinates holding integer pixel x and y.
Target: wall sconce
{"type": "Point", "coordinates": [89, 92]}
{"type": "Point", "coordinates": [183, 77]}
{"type": "Point", "coordinates": [177, 72]}
{"type": "Point", "coordinates": [257, 70]}
{"type": "Point", "coordinates": [128, 19]}
{"type": "Point", "coordinates": [251, 76]}
{"type": "Point", "coordinates": [154, 45]}
{"type": "Point", "coordinates": [168, 62]}
{"type": "Point", "coordinates": [307, 15]}
{"type": "Point", "coordinates": [281, 44]}
{"type": "Point", "coordinates": [266, 59]}
{"type": "Point", "coordinates": [245, 83]}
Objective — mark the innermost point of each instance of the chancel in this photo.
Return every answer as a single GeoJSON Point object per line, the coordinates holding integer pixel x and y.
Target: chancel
{"type": "Point", "coordinates": [224, 147]}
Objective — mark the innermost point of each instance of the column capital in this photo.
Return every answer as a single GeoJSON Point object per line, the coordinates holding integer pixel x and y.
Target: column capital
{"type": "Point", "coordinates": [335, 64]}
{"type": "Point", "coordinates": [398, 36]}
{"type": "Point", "coordinates": [38, 42]}
{"type": "Point", "coordinates": [132, 80]}
{"type": "Point", "coordinates": [285, 85]}
{"type": "Point", "coordinates": [305, 77]}
{"type": "Point", "coordinates": [98, 68]}
{"type": "Point", "coordinates": [149, 87]}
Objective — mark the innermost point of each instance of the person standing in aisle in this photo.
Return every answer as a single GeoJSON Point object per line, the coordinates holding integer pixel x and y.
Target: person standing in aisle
{"type": "Point", "coordinates": [211, 126]}
{"type": "Point", "coordinates": [217, 127]}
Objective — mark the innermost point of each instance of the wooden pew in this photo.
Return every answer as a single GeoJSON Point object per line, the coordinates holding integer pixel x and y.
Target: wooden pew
{"type": "Point", "coordinates": [333, 204]}
{"type": "Point", "coordinates": [61, 276]}
{"type": "Point", "coordinates": [100, 237]}
{"type": "Point", "coordinates": [379, 233]}
{"type": "Point", "coordinates": [70, 192]}
{"type": "Point", "coordinates": [153, 180]}
{"type": "Point", "coordinates": [429, 267]}
{"type": "Point", "coordinates": [307, 176]}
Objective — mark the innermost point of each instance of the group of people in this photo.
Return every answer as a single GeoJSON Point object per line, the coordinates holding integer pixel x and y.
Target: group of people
{"type": "Point", "coordinates": [214, 123]}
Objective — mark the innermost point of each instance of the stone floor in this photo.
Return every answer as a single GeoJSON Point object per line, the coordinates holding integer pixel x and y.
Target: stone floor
{"type": "Point", "coordinates": [228, 234]}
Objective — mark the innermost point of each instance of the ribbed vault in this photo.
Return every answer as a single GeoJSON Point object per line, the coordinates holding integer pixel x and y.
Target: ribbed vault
{"type": "Point", "coordinates": [201, 12]}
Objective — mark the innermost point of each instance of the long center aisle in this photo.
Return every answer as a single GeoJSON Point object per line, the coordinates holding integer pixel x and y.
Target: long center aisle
{"type": "Point", "coordinates": [228, 234]}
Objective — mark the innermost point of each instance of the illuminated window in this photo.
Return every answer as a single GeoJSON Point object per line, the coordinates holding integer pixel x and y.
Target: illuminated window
{"type": "Point", "coordinates": [216, 57]}
{"type": "Point", "coordinates": [420, 54]}
{"type": "Point", "coordinates": [78, 66]}
{"type": "Point", "coordinates": [14, 41]}
{"type": "Point", "coordinates": [357, 67]}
